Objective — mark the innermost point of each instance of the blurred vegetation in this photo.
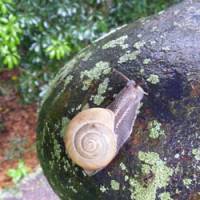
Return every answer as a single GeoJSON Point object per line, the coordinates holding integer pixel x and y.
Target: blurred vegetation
{"type": "Point", "coordinates": [38, 36]}
{"type": "Point", "coordinates": [19, 172]}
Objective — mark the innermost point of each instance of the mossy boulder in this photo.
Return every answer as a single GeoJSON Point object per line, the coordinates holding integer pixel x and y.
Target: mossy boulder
{"type": "Point", "coordinates": [161, 160]}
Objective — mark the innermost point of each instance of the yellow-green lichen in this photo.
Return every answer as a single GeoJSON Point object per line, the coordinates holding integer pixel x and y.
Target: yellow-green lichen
{"type": "Point", "coordinates": [196, 153]}
{"type": "Point", "coordinates": [165, 196]}
{"type": "Point", "coordinates": [153, 79]}
{"type": "Point", "coordinates": [146, 61]}
{"type": "Point", "coordinates": [129, 56]}
{"type": "Point", "coordinates": [88, 76]}
{"type": "Point", "coordinates": [161, 176]}
{"type": "Point", "coordinates": [98, 99]}
{"type": "Point", "coordinates": [139, 44]}
{"type": "Point", "coordinates": [155, 130]}
{"type": "Point", "coordinates": [187, 182]}
{"type": "Point", "coordinates": [114, 185]}
{"type": "Point", "coordinates": [117, 42]}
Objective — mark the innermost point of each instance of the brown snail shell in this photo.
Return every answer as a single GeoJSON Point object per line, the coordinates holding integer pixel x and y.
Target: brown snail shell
{"type": "Point", "coordinates": [94, 136]}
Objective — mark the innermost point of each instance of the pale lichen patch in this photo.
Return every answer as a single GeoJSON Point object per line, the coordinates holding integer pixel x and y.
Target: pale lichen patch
{"type": "Point", "coordinates": [146, 61]}
{"type": "Point", "coordinates": [165, 196]}
{"type": "Point", "coordinates": [88, 76]}
{"type": "Point", "coordinates": [123, 166]}
{"type": "Point", "coordinates": [139, 44]}
{"type": "Point", "coordinates": [196, 153]}
{"type": "Point", "coordinates": [153, 79]}
{"type": "Point", "coordinates": [103, 188]}
{"type": "Point", "coordinates": [115, 185]}
{"type": "Point", "coordinates": [166, 48]}
{"type": "Point", "coordinates": [155, 130]}
{"type": "Point", "coordinates": [152, 42]}
{"type": "Point", "coordinates": [126, 178]}
{"type": "Point", "coordinates": [98, 99]}
{"type": "Point", "coordinates": [87, 56]}
{"type": "Point", "coordinates": [117, 42]}
{"type": "Point", "coordinates": [161, 176]}
{"type": "Point", "coordinates": [129, 56]}
{"type": "Point", "coordinates": [187, 182]}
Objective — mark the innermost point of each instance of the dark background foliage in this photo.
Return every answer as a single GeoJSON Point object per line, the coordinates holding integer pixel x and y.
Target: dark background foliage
{"type": "Point", "coordinates": [38, 36]}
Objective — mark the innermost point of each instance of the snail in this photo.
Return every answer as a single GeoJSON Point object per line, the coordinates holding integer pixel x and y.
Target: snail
{"type": "Point", "coordinates": [94, 136]}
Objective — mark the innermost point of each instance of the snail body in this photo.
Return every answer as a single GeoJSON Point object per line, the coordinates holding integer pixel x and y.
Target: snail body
{"type": "Point", "coordinates": [94, 136]}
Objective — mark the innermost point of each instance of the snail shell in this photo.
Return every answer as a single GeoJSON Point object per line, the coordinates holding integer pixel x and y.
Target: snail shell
{"type": "Point", "coordinates": [94, 136]}
{"type": "Point", "coordinates": [90, 139]}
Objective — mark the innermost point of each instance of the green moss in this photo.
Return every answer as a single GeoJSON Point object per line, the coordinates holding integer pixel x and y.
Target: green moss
{"type": "Point", "coordinates": [65, 122]}
{"type": "Point", "coordinates": [151, 162]}
{"type": "Point", "coordinates": [118, 42]}
{"type": "Point", "coordinates": [85, 107]}
{"type": "Point", "coordinates": [165, 196]}
{"type": "Point", "coordinates": [187, 181]}
{"type": "Point", "coordinates": [57, 149]}
{"type": "Point", "coordinates": [67, 80]}
{"type": "Point", "coordinates": [98, 99]}
{"type": "Point", "coordinates": [73, 189]}
{"type": "Point", "coordinates": [129, 56]}
{"type": "Point", "coordinates": [155, 130]}
{"type": "Point", "coordinates": [196, 153]}
{"type": "Point", "coordinates": [153, 79]}
{"type": "Point", "coordinates": [146, 61]}
{"type": "Point", "coordinates": [115, 185]}
{"type": "Point", "coordinates": [88, 76]}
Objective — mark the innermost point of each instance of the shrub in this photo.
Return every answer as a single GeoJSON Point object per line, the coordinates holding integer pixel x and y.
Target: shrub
{"type": "Point", "coordinates": [53, 31]}
{"type": "Point", "coordinates": [9, 35]}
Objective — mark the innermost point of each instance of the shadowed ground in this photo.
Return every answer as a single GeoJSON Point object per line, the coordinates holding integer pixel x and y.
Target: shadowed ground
{"type": "Point", "coordinates": [33, 187]}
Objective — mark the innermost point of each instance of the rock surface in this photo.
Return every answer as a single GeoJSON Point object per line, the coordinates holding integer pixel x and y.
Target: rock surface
{"type": "Point", "coordinates": [161, 160]}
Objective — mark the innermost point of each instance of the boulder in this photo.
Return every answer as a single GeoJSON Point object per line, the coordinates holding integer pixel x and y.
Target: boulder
{"type": "Point", "coordinates": [161, 159]}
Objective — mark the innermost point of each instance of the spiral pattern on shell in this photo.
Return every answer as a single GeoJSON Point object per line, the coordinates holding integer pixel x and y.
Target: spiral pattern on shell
{"type": "Point", "coordinates": [90, 139]}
